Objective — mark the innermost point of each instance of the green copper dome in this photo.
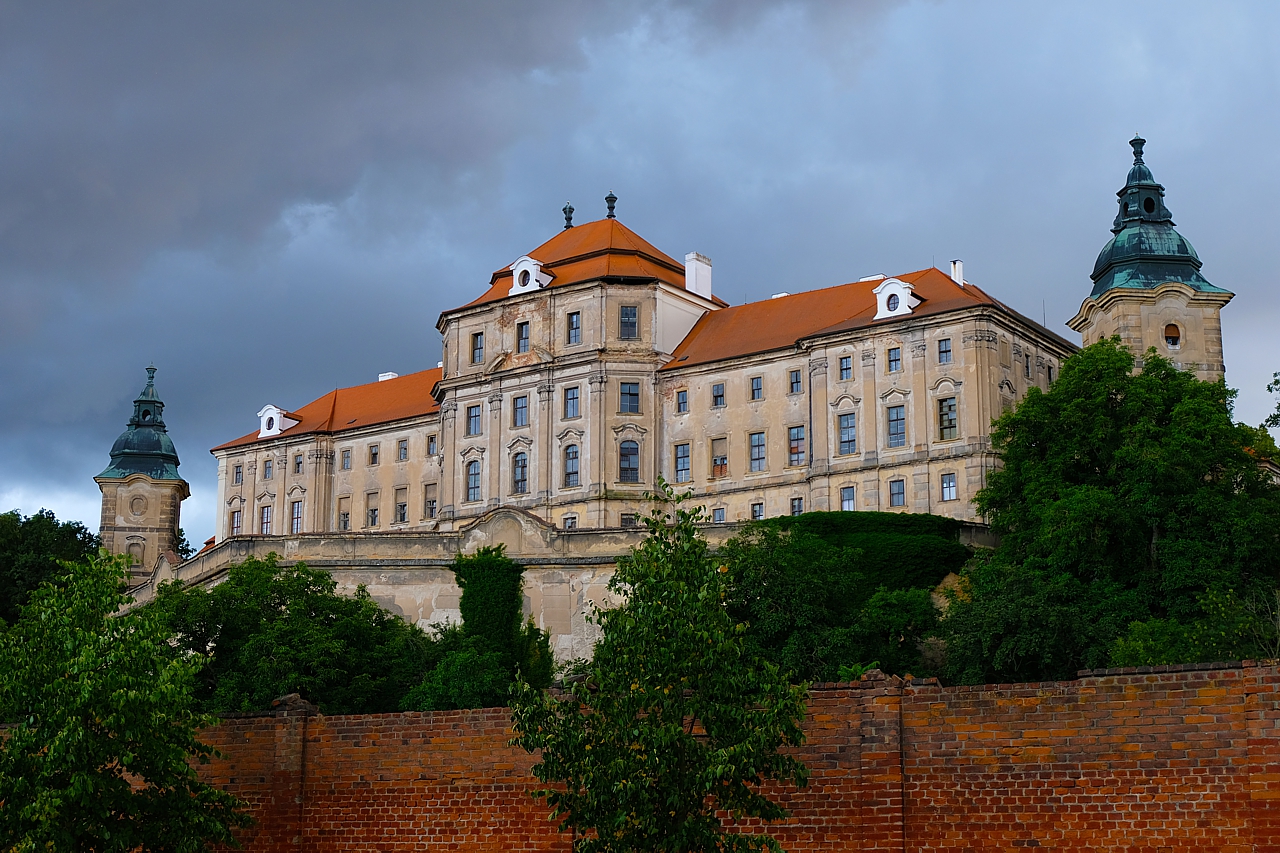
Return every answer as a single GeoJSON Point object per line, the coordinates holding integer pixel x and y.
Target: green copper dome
{"type": "Point", "coordinates": [1146, 251]}
{"type": "Point", "coordinates": [145, 447]}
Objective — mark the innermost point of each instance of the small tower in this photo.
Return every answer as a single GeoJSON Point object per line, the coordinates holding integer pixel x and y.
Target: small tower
{"type": "Point", "coordinates": [1147, 286]}
{"type": "Point", "coordinates": [142, 491]}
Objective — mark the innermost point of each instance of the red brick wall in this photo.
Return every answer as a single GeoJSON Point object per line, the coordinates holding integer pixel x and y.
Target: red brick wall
{"type": "Point", "coordinates": [1175, 759]}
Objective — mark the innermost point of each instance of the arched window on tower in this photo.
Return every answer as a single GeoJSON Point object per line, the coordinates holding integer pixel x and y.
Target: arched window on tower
{"type": "Point", "coordinates": [629, 462]}
{"type": "Point", "coordinates": [1172, 336]}
{"type": "Point", "coordinates": [571, 466]}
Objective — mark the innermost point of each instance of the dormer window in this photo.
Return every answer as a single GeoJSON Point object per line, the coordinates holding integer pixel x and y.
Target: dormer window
{"type": "Point", "coordinates": [527, 276]}
{"type": "Point", "coordinates": [894, 298]}
{"type": "Point", "coordinates": [274, 420]}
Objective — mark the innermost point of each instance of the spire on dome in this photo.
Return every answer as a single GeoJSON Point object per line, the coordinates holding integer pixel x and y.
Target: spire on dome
{"type": "Point", "coordinates": [611, 200]}
{"type": "Point", "coordinates": [145, 447]}
{"type": "Point", "coordinates": [567, 210]}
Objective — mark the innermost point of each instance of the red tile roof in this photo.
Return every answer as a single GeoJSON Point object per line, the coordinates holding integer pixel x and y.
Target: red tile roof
{"type": "Point", "coordinates": [602, 249]}
{"type": "Point", "coordinates": [773, 324]}
{"type": "Point", "coordinates": [396, 399]}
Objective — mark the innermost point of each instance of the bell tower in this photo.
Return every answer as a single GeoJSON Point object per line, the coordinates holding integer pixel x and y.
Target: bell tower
{"type": "Point", "coordinates": [1147, 286]}
{"type": "Point", "coordinates": [142, 491]}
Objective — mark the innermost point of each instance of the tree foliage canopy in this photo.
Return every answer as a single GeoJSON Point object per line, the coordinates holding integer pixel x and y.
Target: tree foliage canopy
{"type": "Point", "coordinates": [1124, 497]}
{"type": "Point", "coordinates": [102, 739]}
{"type": "Point", "coordinates": [31, 550]}
{"type": "Point", "coordinates": [269, 630]}
{"type": "Point", "coordinates": [676, 721]}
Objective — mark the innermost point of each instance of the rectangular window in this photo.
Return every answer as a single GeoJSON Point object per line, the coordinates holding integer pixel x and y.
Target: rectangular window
{"type": "Point", "coordinates": [895, 359]}
{"type": "Point", "coordinates": [719, 457]}
{"type": "Point", "coordinates": [628, 519]}
{"type": "Point", "coordinates": [846, 367]}
{"type": "Point", "coordinates": [346, 460]}
{"type": "Point", "coordinates": [797, 385]}
{"type": "Point", "coordinates": [473, 420]}
{"type": "Point", "coordinates": [429, 498]}
{"type": "Point", "coordinates": [371, 510]}
{"type": "Point", "coordinates": [944, 351]}
{"type": "Point", "coordinates": [295, 517]}
{"type": "Point", "coordinates": [522, 337]}
{"type": "Point", "coordinates": [947, 418]}
{"type": "Point", "coordinates": [1049, 370]}
{"type": "Point", "coordinates": [756, 440]}
{"type": "Point", "coordinates": [717, 515]}
{"type": "Point", "coordinates": [520, 474]}
{"type": "Point", "coordinates": [402, 450]}
{"type": "Point", "coordinates": [573, 328]}
{"type": "Point", "coordinates": [402, 505]}
{"type": "Point", "coordinates": [629, 397]}
{"type": "Point", "coordinates": [757, 511]}
{"type": "Point", "coordinates": [757, 387]}
{"type": "Point", "coordinates": [949, 487]}
{"type": "Point", "coordinates": [795, 445]}
{"type": "Point", "coordinates": [847, 501]}
{"type": "Point", "coordinates": [373, 454]}
{"type": "Point", "coordinates": [570, 522]}
{"type": "Point", "coordinates": [797, 506]}
{"type": "Point", "coordinates": [1027, 361]}
{"type": "Point", "coordinates": [683, 474]}
{"type": "Point", "coordinates": [237, 475]}
{"type": "Point", "coordinates": [297, 464]}
{"type": "Point", "coordinates": [267, 466]}
{"type": "Point", "coordinates": [628, 322]}
{"type": "Point", "coordinates": [264, 523]}
{"type": "Point", "coordinates": [477, 348]}
{"type": "Point", "coordinates": [849, 433]}
{"type": "Point", "coordinates": [897, 426]}
{"type": "Point", "coordinates": [571, 402]}
{"type": "Point", "coordinates": [473, 480]}
{"type": "Point", "coordinates": [235, 522]}
{"type": "Point", "coordinates": [344, 513]}
{"type": "Point", "coordinates": [520, 411]}
{"type": "Point", "coordinates": [717, 394]}
{"type": "Point", "coordinates": [897, 493]}
{"type": "Point", "coordinates": [431, 445]}
{"type": "Point", "coordinates": [682, 401]}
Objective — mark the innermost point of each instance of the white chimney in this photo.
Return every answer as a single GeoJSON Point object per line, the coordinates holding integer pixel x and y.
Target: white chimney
{"type": "Point", "coordinates": [697, 274]}
{"type": "Point", "coordinates": [439, 364]}
{"type": "Point", "coordinates": [957, 272]}
{"type": "Point", "coordinates": [383, 377]}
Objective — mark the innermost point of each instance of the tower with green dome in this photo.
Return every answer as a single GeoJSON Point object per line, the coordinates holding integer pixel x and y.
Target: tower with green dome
{"type": "Point", "coordinates": [1147, 285]}
{"type": "Point", "coordinates": [142, 492]}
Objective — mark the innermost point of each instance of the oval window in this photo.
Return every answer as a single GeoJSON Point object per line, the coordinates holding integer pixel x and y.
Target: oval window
{"type": "Point", "coordinates": [524, 278]}
{"type": "Point", "coordinates": [1172, 337]}
{"type": "Point", "coordinates": [892, 302]}
{"type": "Point", "coordinates": [1149, 205]}
{"type": "Point", "coordinates": [271, 423]}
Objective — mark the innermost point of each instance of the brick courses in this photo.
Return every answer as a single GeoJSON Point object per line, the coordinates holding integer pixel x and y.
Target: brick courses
{"type": "Point", "coordinates": [1166, 758]}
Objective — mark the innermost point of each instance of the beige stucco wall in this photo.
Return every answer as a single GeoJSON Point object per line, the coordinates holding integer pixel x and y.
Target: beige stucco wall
{"type": "Point", "coordinates": [140, 517]}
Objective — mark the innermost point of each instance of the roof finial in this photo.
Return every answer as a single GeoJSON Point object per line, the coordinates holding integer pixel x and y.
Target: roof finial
{"type": "Point", "coordinates": [151, 374]}
{"type": "Point", "coordinates": [1137, 142]}
{"type": "Point", "coordinates": [567, 210]}
{"type": "Point", "coordinates": [611, 200]}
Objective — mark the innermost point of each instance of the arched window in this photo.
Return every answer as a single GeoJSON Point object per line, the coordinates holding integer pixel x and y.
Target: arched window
{"type": "Point", "coordinates": [1172, 336]}
{"type": "Point", "coordinates": [571, 466]}
{"type": "Point", "coordinates": [520, 474]}
{"type": "Point", "coordinates": [473, 480]}
{"type": "Point", "coordinates": [629, 462]}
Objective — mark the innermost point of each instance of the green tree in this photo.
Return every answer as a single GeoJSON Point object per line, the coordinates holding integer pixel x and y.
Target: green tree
{"type": "Point", "coordinates": [1124, 497]}
{"type": "Point", "coordinates": [270, 630]}
{"type": "Point", "coordinates": [31, 550]}
{"type": "Point", "coordinates": [102, 739]}
{"type": "Point", "coordinates": [1273, 387]}
{"type": "Point", "coordinates": [662, 741]}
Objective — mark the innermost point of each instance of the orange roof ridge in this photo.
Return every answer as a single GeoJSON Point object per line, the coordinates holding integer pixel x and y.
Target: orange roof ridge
{"type": "Point", "coordinates": [356, 406]}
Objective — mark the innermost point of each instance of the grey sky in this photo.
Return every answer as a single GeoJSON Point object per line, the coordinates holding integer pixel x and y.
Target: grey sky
{"type": "Point", "coordinates": [273, 200]}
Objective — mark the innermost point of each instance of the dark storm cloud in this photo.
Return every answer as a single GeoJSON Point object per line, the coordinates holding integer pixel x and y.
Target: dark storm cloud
{"type": "Point", "coordinates": [271, 200]}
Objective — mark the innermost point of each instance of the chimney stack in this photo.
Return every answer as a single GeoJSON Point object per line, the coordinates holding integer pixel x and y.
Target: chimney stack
{"type": "Point", "coordinates": [697, 274]}
{"type": "Point", "coordinates": [957, 272]}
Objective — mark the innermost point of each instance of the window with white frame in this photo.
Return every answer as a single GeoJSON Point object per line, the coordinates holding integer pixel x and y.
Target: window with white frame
{"type": "Point", "coordinates": [757, 451]}
{"type": "Point", "coordinates": [757, 511]}
{"type": "Point", "coordinates": [431, 445]}
{"type": "Point", "coordinates": [897, 416]}
{"type": "Point", "coordinates": [373, 454]}
{"type": "Point", "coordinates": [297, 464]}
{"type": "Point", "coordinates": [629, 462]}
{"type": "Point", "coordinates": [520, 474]}
{"type": "Point", "coordinates": [895, 359]}
{"type": "Point", "coordinates": [947, 418]}
{"type": "Point", "coordinates": [846, 367]}
{"type": "Point", "coordinates": [264, 521]}
{"type": "Point", "coordinates": [473, 480]}
{"type": "Point", "coordinates": [346, 460]}
{"type": "Point", "coordinates": [236, 517]}
{"type": "Point", "coordinates": [571, 402]}
{"type": "Point", "coordinates": [717, 394]}
{"type": "Point", "coordinates": [717, 515]}
{"type": "Point", "coordinates": [682, 401]}
{"type": "Point", "coordinates": [295, 517]}
{"type": "Point", "coordinates": [629, 322]}
{"type": "Point", "coordinates": [682, 467]}
{"type": "Point", "coordinates": [573, 328]}
{"type": "Point", "coordinates": [897, 493]}
{"type": "Point", "coordinates": [237, 475]}
{"type": "Point", "coordinates": [795, 382]}
{"type": "Point", "coordinates": [797, 506]}
{"type": "Point", "coordinates": [520, 411]}
{"type": "Point", "coordinates": [569, 522]}
{"type": "Point", "coordinates": [477, 348]}
{"type": "Point", "coordinates": [267, 468]}
{"type": "Point", "coordinates": [629, 397]}
{"type": "Point", "coordinates": [757, 387]}
{"type": "Point", "coordinates": [473, 420]}
{"type": "Point", "coordinates": [949, 492]}
{"type": "Point", "coordinates": [944, 351]}
{"type": "Point", "coordinates": [848, 502]}
{"type": "Point", "coordinates": [795, 445]}
{"type": "Point", "coordinates": [522, 337]}
{"type": "Point", "coordinates": [402, 450]}
{"type": "Point", "coordinates": [848, 426]}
